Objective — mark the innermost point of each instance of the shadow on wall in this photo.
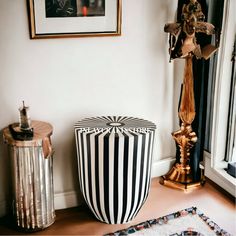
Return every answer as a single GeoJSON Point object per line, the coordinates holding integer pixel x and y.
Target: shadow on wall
{"type": "Point", "coordinates": [5, 177]}
{"type": "Point", "coordinates": [166, 13]}
{"type": "Point", "coordinates": [74, 167]}
{"type": "Point", "coordinates": [66, 169]}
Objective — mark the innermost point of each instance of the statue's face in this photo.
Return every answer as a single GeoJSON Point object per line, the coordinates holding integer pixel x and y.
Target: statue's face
{"type": "Point", "coordinates": [190, 25]}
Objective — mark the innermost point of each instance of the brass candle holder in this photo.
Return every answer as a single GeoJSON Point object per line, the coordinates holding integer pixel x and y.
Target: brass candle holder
{"type": "Point", "coordinates": [183, 44]}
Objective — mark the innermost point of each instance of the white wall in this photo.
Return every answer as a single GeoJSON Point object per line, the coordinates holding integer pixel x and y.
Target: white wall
{"type": "Point", "coordinates": [64, 80]}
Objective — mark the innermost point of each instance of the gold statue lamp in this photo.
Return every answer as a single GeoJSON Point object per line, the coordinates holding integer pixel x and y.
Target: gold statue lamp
{"type": "Point", "coordinates": [183, 44]}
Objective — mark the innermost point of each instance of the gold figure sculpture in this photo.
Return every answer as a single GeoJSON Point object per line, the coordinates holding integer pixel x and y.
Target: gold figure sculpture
{"type": "Point", "coordinates": [183, 44]}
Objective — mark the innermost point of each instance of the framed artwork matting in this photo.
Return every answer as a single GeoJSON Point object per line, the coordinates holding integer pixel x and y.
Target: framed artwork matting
{"type": "Point", "coordinates": [74, 18]}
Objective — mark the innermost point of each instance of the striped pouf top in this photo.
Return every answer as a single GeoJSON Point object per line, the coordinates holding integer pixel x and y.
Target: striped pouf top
{"type": "Point", "coordinates": [114, 161]}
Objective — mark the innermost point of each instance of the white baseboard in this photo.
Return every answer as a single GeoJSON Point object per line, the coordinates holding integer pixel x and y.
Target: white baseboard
{"type": "Point", "coordinates": [161, 167]}
{"type": "Point", "coordinates": [74, 198]}
{"type": "Point", "coordinates": [61, 201]}
{"type": "Point", "coordinates": [67, 200]}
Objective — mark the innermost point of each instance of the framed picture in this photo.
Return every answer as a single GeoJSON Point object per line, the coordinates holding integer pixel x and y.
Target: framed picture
{"type": "Point", "coordinates": [74, 18]}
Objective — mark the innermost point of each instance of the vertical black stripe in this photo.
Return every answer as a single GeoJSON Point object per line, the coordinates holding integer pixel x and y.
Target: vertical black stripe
{"type": "Point", "coordinates": [134, 174]}
{"type": "Point", "coordinates": [115, 184]}
{"type": "Point", "coordinates": [78, 159]}
{"type": "Point", "coordinates": [141, 173]}
{"type": "Point", "coordinates": [147, 169]}
{"type": "Point", "coordinates": [125, 175]}
{"type": "Point", "coordinates": [97, 176]}
{"type": "Point", "coordinates": [106, 175]}
{"type": "Point", "coordinates": [83, 167]}
{"type": "Point", "coordinates": [89, 177]}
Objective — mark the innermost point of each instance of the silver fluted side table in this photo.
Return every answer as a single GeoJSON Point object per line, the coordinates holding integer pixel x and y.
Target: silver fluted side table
{"type": "Point", "coordinates": [114, 161]}
{"type": "Point", "coordinates": [32, 178]}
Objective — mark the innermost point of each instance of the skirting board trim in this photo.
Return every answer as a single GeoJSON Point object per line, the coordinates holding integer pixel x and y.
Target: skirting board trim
{"type": "Point", "coordinates": [61, 201]}
{"type": "Point", "coordinates": [161, 167]}
{"type": "Point", "coordinates": [67, 200]}
{"type": "Point", "coordinates": [74, 198]}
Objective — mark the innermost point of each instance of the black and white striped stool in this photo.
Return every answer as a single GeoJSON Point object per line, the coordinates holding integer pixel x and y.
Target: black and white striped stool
{"type": "Point", "coordinates": [114, 160]}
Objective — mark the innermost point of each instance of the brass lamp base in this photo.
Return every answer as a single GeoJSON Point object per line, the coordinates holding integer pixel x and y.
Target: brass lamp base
{"type": "Point", "coordinates": [180, 177]}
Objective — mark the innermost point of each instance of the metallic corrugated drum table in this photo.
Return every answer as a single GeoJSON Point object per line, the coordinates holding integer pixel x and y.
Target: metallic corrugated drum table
{"type": "Point", "coordinates": [32, 178]}
{"type": "Point", "coordinates": [114, 160]}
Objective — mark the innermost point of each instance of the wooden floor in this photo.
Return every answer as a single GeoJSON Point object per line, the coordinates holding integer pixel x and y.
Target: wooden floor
{"type": "Point", "coordinates": [161, 201]}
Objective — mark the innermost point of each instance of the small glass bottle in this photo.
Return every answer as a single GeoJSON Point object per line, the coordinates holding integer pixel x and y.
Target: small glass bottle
{"type": "Point", "coordinates": [24, 118]}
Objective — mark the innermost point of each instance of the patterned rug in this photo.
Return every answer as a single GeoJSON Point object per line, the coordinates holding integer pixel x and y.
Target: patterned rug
{"type": "Point", "coordinates": [186, 222]}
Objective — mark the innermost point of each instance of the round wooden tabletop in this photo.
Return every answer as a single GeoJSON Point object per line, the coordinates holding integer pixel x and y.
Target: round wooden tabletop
{"type": "Point", "coordinates": [41, 130]}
